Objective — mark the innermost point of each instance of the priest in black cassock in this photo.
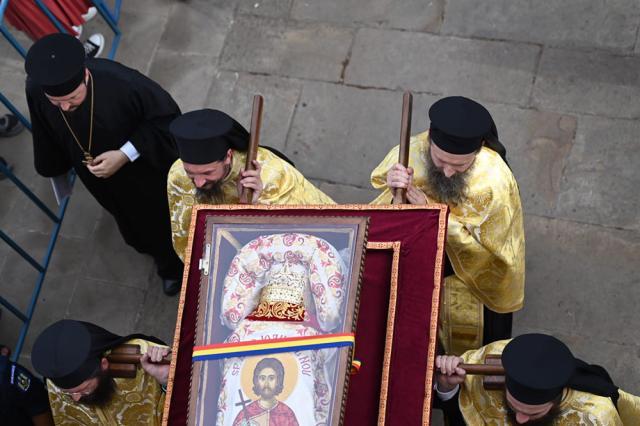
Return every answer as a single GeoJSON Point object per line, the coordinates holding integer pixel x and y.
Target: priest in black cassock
{"type": "Point", "coordinates": [110, 124]}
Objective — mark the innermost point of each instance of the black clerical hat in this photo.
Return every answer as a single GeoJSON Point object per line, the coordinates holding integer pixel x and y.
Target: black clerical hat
{"type": "Point", "coordinates": [56, 63]}
{"type": "Point", "coordinates": [459, 125]}
{"type": "Point", "coordinates": [204, 136]}
{"type": "Point", "coordinates": [537, 368]}
{"type": "Point", "coordinates": [69, 352]}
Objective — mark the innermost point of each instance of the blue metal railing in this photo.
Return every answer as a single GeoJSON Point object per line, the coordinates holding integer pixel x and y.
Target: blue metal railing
{"type": "Point", "coordinates": [42, 266]}
{"type": "Point", "coordinates": [111, 17]}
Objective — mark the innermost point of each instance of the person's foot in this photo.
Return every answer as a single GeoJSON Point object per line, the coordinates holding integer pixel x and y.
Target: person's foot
{"type": "Point", "coordinates": [10, 126]}
{"type": "Point", "coordinates": [170, 287]}
{"type": "Point", "coordinates": [91, 13]}
{"type": "Point", "coordinates": [8, 166]}
{"type": "Point", "coordinates": [94, 45]}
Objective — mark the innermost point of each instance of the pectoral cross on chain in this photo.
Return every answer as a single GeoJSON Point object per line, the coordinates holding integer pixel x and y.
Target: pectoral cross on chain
{"type": "Point", "coordinates": [88, 159]}
{"type": "Point", "coordinates": [244, 403]}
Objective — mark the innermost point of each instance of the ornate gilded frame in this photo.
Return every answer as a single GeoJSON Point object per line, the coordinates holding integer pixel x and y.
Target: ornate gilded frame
{"type": "Point", "coordinates": [435, 303]}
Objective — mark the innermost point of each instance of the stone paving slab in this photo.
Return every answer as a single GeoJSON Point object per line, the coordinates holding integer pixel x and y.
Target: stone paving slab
{"type": "Point", "coordinates": [591, 83]}
{"type": "Point", "coordinates": [83, 213]}
{"type": "Point", "coordinates": [13, 84]}
{"type": "Point", "coordinates": [53, 303]}
{"type": "Point", "coordinates": [538, 145]}
{"type": "Point", "coordinates": [233, 93]}
{"type": "Point", "coordinates": [601, 180]}
{"type": "Point", "coordinates": [485, 70]}
{"type": "Point", "coordinates": [149, 7]}
{"type": "Point", "coordinates": [186, 76]}
{"type": "Point", "coordinates": [19, 279]}
{"type": "Point", "coordinates": [610, 25]}
{"type": "Point", "coordinates": [141, 34]}
{"type": "Point", "coordinates": [581, 279]}
{"type": "Point", "coordinates": [113, 260]}
{"type": "Point", "coordinates": [352, 129]}
{"type": "Point", "coordinates": [157, 316]}
{"type": "Point", "coordinates": [414, 15]}
{"type": "Point", "coordinates": [284, 48]}
{"type": "Point", "coordinates": [212, 18]}
{"type": "Point", "coordinates": [347, 194]}
{"type": "Point", "coordinates": [113, 306]}
{"type": "Point", "coordinates": [271, 8]}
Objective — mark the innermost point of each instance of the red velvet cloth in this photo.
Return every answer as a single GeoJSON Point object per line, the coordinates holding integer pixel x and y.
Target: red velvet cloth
{"type": "Point", "coordinates": [26, 16]}
{"type": "Point", "coordinates": [418, 231]}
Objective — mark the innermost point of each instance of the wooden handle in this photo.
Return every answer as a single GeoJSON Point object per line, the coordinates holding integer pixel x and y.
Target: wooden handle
{"type": "Point", "coordinates": [124, 360]}
{"type": "Point", "coordinates": [400, 195]}
{"type": "Point", "coordinates": [254, 141]}
{"type": "Point", "coordinates": [483, 369]}
{"type": "Point", "coordinates": [133, 359]}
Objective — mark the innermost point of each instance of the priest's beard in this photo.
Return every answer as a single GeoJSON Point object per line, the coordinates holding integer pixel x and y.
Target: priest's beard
{"type": "Point", "coordinates": [213, 190]}
{"type": "Point", "coordinates": [545, 420]}
{"type": "Point", "coordinates": [448, 190]}
{"type": "Point", "coordinates": [103, 393]}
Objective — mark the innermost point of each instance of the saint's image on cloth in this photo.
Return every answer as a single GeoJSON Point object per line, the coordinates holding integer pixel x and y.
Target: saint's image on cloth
{"type": "Point", "coordinates": [277, 285]}
{"type": "Point", "coordinates": [267, 410]}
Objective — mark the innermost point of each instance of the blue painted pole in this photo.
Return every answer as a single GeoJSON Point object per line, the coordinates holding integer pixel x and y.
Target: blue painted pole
{"type": "Point", "coordinates": [33, 197]}
{"type": "Point", "coordinates": [36, 291]}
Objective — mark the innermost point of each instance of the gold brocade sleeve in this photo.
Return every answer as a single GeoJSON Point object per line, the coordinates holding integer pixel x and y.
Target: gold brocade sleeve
{"type": "Point", "coordinates": [487, 407]}
{"type": "Point", "coordinates": [417, 151]}
{"type": "Point", "coordinates": [628, 408]}
{"type": "Point", "coordinates": [181, 196]}
{"type": "Point", "coordinates": [137, 401]}
{"type": "Point", "coordinates": [282, 184]}
{"type": "Point", "coordinates": [485, 235]}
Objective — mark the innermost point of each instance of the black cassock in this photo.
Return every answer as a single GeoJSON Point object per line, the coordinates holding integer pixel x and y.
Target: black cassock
{"type": "Point", "coordinates": [127, 107]}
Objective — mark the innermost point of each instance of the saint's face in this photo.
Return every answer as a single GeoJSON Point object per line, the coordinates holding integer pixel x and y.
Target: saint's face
{"type": "Point", "coordinates": [450, 164]}
{"type": "Point", "coordinates": [73, 100]}
{"type": "Point", "coordinates": [267, 382]}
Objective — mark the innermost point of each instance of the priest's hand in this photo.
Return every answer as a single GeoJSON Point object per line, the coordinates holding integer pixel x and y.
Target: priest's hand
{"type": "Point", "coordinates": [416, 196]}
{"type": "Point", "coordinates": [448, 374]}
{"type": "Point", "coordinates": [399, 176]}
{"type": "Point", "coordinates": [107, 163]}
{"type": "Point", "coordinates": [149, 362]}
{"type": "Point", "coordinates": [251, 179]}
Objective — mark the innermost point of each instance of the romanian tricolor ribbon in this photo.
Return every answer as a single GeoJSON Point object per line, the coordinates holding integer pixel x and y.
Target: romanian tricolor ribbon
{"type": "Point", "coordinates": [272, 346]}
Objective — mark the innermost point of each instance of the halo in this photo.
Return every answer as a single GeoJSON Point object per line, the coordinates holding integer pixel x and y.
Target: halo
{"type": "Point", "coordinates": [291, 373]}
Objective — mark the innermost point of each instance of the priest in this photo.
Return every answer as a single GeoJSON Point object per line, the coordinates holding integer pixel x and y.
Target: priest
{"type": "Point", "coordinates": [460, 162]}
{"type": "Point", "coordinates": [213, 148]}
{"type": "Point", "coordinates": [71, 356]}
{"type": "Point", "coordinates": [544, 384]}
{"type": "Point", "coordinates": [110, 124]}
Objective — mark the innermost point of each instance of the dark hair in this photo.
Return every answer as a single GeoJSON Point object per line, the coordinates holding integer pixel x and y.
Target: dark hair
{"type": "Point", "coordinates": [276, 366]}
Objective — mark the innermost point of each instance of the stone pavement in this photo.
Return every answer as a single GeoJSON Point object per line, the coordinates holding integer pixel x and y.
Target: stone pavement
{"type": "Point", "coordinates": [561, 78]}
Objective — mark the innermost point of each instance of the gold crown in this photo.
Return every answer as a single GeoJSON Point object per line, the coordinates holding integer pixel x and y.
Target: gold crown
{"type": "Point", "coordinates": [285, 286]}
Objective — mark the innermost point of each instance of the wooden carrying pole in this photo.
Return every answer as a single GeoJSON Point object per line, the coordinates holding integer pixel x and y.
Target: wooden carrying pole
{"type": "Point", "coordinates": [492, 371]}
{"type": "Point", "coordinates": [254, 141]}
{"type": "Point", "coordinates": [483, 369]}
{"type": "Point", "coordinates": [124, 360]}
{"type": "Point", "coordinates": [400, 195]}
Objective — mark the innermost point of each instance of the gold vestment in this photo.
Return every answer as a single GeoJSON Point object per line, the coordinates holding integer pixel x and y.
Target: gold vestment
{"type": "Point", "coordinates": [485, 243]}
{"type": "Point", "coordinates": [487, 407]}
{"type": "Point", "coordinates": [282, 184]}
{"type": "Point", "coordinates": [136, 401]}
